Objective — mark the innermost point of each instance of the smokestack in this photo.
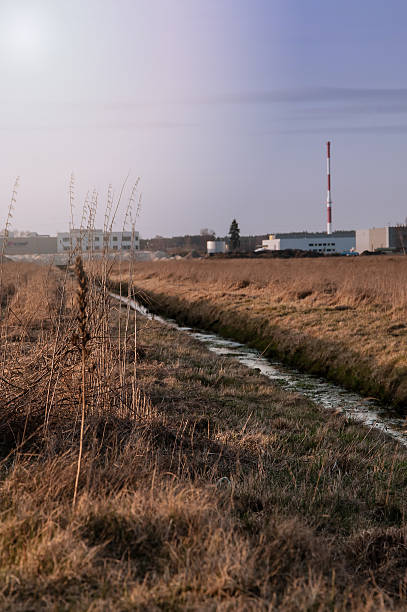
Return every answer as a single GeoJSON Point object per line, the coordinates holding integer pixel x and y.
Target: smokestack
{"type": "Point", "coordinates": [328, 197]}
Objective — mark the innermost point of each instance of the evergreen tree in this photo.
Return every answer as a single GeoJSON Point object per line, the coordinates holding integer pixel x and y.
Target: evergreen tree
{"type": "Point", "coordinates": [234, 235]}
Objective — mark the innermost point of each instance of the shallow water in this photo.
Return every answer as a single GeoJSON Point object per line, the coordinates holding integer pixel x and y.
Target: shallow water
{"type": "Point", "coordinates": [330, 396]}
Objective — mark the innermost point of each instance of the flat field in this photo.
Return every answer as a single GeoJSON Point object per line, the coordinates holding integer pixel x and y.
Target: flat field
{"type": "Point", "coordinates": [201, 485]}
{"type": "Point", "coordinates": [344, 318]}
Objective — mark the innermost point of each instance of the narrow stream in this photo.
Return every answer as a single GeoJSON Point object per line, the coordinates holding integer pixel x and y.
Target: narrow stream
{"type": "Point", "coordinates": [330, 396]}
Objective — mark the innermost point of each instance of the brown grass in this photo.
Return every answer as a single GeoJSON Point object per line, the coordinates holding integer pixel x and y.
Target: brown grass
{"type": "Point", "coordinates": [202, 486]}
{"type": "Point", "coordinates": [344, 318]}
{"type": "Point", "coordinates": [380, 281]}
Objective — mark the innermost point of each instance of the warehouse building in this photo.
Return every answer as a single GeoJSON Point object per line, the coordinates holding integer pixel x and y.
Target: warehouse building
{"type": "Point", "coordinates": [97, 240]}
{"type": "Point", "coordinates": [377, 238]}
{"type": "Point", "coordinates": [28, 245]}
{"type": "Point", "coordinates": [320, 242]}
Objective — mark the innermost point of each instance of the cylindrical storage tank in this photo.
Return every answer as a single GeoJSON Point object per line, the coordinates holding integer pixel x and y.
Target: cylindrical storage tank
{"type": "Point", "coordinates": [215, 246]}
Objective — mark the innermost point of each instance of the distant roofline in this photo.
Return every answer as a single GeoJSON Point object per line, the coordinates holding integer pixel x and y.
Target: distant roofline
{"type": "Point", "coordinates": [338, 234]}
{"type": "Point", "coordinates": [97, 231]}
{"type": "Point", "coordinates": [383, 227]}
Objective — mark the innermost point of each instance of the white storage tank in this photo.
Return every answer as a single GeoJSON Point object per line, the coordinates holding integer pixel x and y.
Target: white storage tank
{"type": "Point", "coordinates": [216, 246]}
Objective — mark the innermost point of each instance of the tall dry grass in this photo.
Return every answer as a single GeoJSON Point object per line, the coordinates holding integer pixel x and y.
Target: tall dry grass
{"type": "Point", "coordinates": [379, 281]}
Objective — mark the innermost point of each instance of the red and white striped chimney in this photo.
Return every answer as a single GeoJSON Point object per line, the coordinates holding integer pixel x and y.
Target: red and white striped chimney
{"type": "Point", "coordinates": [328, 197]}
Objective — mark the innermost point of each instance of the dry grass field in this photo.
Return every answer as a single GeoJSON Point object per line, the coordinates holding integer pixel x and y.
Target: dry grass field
{"type": "Point", "coordinates": [201, 485]}
{"type": "Point", "coordinates": [344, 318]}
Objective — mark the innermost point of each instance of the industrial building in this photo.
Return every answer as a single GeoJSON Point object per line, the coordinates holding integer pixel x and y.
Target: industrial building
{"type": "Point", "coordinates": [28, 245]}
{"type": "Point", "coordinates": [321, 242]}
{"type": "Point", "coordinates": [392, 238]}
{"type": "Point", "coordinates": [97, 240]}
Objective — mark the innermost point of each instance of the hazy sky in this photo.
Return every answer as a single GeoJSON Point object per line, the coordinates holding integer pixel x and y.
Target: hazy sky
{"type": "Point", "coordinates": [223, 107]}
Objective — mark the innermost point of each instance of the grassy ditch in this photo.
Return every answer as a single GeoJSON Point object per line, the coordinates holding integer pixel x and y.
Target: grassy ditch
{"type": "Point", "coordinates": [202, 486]}
{"type": "Point", "coordinates": [342, 319]}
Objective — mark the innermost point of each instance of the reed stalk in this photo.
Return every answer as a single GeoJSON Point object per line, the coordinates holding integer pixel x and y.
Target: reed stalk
{"type": "Point", "coordinates": [81, 340]}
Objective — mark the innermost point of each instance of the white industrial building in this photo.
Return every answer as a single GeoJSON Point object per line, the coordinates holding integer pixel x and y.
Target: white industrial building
{"type": "Point", "coordinates": [97, 241]}
{"type": "Point", "coordinates": [377, 238]}
{"type": "Point", "coordinates": [320, 242]}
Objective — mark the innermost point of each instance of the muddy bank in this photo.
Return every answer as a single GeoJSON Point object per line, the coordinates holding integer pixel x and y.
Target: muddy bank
{"type": "Point", "coordinates": [328, 358]}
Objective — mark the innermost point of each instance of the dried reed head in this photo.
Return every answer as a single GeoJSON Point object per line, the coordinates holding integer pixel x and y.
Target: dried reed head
{"type": "Point", "coordinates": [83, 337]}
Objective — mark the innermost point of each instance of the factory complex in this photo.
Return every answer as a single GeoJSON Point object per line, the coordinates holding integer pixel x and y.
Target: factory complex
{"type": "Point", "coordinates": [318, 242]}
{"type": "Point", "coordinates": [387, 239]}
{"type": "Point", "coordinates": [336, 242]}
{"type": "Point", "coordinates": [339, 242]}
{"type": "Point", "coordinates": [351, 242]}
{"type": "Point", "coordinates": [391, 238]}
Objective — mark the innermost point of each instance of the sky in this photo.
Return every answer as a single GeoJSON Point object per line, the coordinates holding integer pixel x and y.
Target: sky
{"type": "Point", "coordinates": [221, 107]}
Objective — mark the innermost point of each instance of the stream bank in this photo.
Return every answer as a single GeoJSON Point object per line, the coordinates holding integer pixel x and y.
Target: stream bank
{"type": "Point", "coordinates": [326, 358]}
{"type": "Point", "coordinates": [324, 393]}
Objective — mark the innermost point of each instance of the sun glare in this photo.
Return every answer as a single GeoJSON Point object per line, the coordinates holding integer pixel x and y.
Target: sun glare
{"type": "Point", "coordinates": [24, 38]}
